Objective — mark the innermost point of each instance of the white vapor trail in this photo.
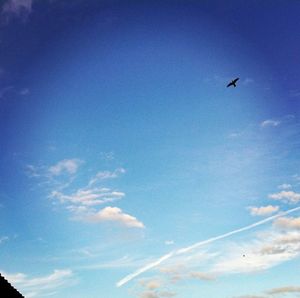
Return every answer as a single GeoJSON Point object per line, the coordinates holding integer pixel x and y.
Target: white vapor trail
{"type": "Point", "coordinates": [184, 250]}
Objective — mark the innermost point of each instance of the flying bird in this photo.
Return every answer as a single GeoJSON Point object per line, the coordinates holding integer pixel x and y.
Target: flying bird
{"type": "Point", "coordinates": [233, 82]}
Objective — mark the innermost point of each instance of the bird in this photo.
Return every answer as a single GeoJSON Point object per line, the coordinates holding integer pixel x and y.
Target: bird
{"type": "Point", "coordinates": [233, 82]}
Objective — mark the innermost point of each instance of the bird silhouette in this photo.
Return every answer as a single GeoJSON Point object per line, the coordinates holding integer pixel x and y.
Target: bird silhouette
{"type": "Point", "coordinates": [233, 82]}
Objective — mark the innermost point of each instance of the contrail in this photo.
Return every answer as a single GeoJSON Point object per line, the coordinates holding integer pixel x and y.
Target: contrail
{"type": "Point", "coordinates": [184, 250]}
{"type": "Point", "coordinates": [144, 269]}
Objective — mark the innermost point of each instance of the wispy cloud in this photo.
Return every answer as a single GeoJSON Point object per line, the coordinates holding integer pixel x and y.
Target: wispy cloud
{"type": "Point", "coordinates": [16, 9]}
{"type": "Point", "coordinates": [247, 81]}
{"type": "Point", "coordinates": [263, 211]}
{"type": "Point", "coordinates": [284, 186]}
{"type": "Point", "coordinates": [108, 156]}
{"type": "Point", "coordinates": [69, 166]}
{"type": "Point", "coordinates": [154, 288]}
{"type": "Point", "coordinates": [5, 90]}
{"type": "Point", "coordinates": [103, 175]}
{"type": "Point", "coordinates": [38, 286]}
{"type": "Point", "coordinates": [89, 196]}
{"type": "Point", "coordinates": [261, 254]}
{"type": "Point", "coordinates": [24, 91]}
{"type": "Point", "coordinates": [3, 239]}
{"type": "Point", "coordinates": [295, 93]}
{"type": "Point", "coordinates": [270, 123]}
{"type": "Point", "coordinates": [286, 196]}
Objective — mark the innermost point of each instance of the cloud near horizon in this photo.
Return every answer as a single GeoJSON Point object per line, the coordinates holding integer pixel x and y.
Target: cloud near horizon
{"type": "Point", "coordinates": [39, 286]}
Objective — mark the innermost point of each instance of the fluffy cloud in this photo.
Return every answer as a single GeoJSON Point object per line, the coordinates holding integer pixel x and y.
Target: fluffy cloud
{"type": "Point", "coordinates": [263, 211]}
{"type": "Point", "coordinates": [38, 286]}
{"type": "Point", "coordinates": [115, 214]}
{"type": "Point", "coordinates": [288, 223]}
{"type": "Point", "coordinates": [270, 123]}
{"type": "Point", "coordinates": [69, 166]}
{"type": "Point", "coordinates": [286, 196]}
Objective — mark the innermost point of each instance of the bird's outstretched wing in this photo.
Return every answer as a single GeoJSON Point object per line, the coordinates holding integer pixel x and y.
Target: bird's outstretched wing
{"type": "Point", "coordinates": [232, 83]}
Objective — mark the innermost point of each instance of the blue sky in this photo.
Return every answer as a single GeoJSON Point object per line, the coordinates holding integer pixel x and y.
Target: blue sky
{"type": "Point", "coordinates": [122, 148]}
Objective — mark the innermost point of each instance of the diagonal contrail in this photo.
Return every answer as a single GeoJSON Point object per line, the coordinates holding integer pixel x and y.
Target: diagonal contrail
{"type": "Point", "coordinates": [184, 250]}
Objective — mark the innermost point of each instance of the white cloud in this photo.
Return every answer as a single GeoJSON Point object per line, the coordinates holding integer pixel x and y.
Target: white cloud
{"type": "Point", "coordinates": [106, 175]}
{"type": "Point", "coordinates": [284, 186]}
{"type": "Point", "coordinates": [82, 202]}
{"type": "Point", "coordinates": [33, 171]}
{"type": "Point", "coordinates": [263, 211]}
{"type": "Point", "coordinates": [35, 287]}
{"type": "Point", "coordinates": [115, 214]}
{"type": "Point", "coordinates": [286, 196]}
{"type": "Point", "coordinates": [69, 166]}
{"type": "Point", "coordinates": [270, 123]}
{"type": "Point", "coordinates": [288, 223]}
